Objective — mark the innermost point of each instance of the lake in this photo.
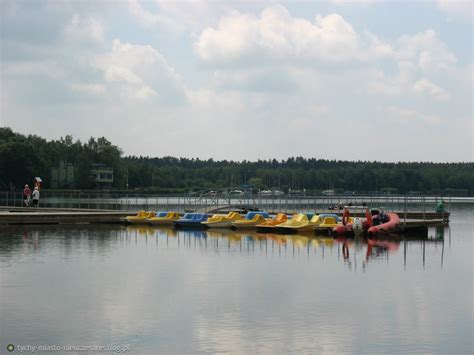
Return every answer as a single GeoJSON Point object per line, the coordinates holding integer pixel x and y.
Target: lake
{"type": "Point", "coordinates": [155, 290]}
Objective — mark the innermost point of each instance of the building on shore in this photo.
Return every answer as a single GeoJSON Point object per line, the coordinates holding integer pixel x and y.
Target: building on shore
{"type": "Point", "coordinates": [102, 175]}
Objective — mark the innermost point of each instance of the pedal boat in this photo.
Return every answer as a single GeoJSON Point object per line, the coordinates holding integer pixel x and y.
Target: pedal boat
{"type": "Point", "coordinates": [223, 221]}
{"type": "Point", "coordinates": [192, 221]}
{"type": "Point", "coordinates": [299, 223]}
{"type": "Point", "coordinates": [164, 218]}
{"type": "Point", "coordinates": [269, 225]}
{"type": "Point", "coordinates": [140, 218]}
{"type": "Point", "coordinates": [252, 219]}
{"type": "Point", "coordinates": [326, 221]}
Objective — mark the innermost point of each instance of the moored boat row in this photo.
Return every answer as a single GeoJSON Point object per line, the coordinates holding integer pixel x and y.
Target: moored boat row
{"type": "Point", "coordinates": [374, 222]}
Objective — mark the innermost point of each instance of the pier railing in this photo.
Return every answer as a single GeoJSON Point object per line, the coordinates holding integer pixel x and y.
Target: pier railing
{"type": "Point", "coordinates": [206, 203]}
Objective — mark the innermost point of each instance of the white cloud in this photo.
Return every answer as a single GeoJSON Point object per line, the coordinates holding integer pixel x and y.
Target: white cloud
{"type": "Point", "coordinates": [194, 14]}
{"type": "Point", "coordinates": [405, 82]}
{"type": "Point", "coordinates": [458, 8]}
{"type": "Point", "coordinates": [144, 93]}
{"type": "Point", "coordinates": [140, 71]}
{"type": "Point", "coordinates": [411, 115]}
{"type": "Point", "coordinates": [355, 2]}
{"type": "Point", "coordinates": [426, 50]}
{"type": "Point", "coordinates": [95, 89]}
{"type": "Point", "coordinates": [424, 86]}
{"type": "Point", "coordinates": [278, 36]}
{"type": "Point", "coordinates": [149, 19]}
{"type": "Point", "coordinates": [84, 29]}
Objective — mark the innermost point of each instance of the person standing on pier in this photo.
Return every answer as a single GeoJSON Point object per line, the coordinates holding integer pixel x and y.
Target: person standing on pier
{"type": "Point", "coordinates": [36, 196]}
{"type": "Point", "coordinates": [26, 195]}
{"type": "Point", "coordinates": [440, 206]}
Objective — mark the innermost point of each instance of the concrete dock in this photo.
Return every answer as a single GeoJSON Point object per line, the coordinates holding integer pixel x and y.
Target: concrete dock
{"type": "Point", "coordinates": [19, 215]}
{"type": "Point", "coordinates": [25, 216]}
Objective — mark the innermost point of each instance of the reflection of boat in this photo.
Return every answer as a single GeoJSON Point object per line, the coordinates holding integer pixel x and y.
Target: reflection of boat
{"type": "Point", "coordinates": [164, 218]}
{"type": "Point", "coordinates": [329, 242]}
{"type": "Point", "coordinates": [297, 224]}
{"type": "Point", "coordinates": [140, 218]}
{"type": "Point", "coordinates": [223, 221]}
{"type": "Point", "coordinates": [219, 232]}
{"type": "Point", "coordinates": [391, 246]}
{"type": "Point", "coordinates": [143, 229]}
{"type": "Point", "coordinates": [192, 220]}
{"type": "Point", "coordinates": [299, 240]}
{"type": "Point", "coordinates": [270, 224]}
{"type": "Point", "coordinates": [235, 237]}
{"type": "Point", "coordinates": [199, 234]}
{"type": "Point", "coordinates": [278, 238]}
{"type": "Point", "coordinates": [252, 219]}
{"type": "Point", "coordinates": [390, 226]}
{"type": "Point", "coordinates": [377, 248]}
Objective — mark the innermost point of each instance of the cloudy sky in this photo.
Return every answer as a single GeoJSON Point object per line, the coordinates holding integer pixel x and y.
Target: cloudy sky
{"type": "Point", "coordinates": [368, 80]}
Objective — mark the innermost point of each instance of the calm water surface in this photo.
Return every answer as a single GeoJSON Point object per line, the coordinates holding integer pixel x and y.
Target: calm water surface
{"type": "Point", "coordinates": [163, 291]}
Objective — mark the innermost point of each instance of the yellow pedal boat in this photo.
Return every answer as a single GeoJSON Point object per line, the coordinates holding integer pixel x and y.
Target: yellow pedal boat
{"type": "Point", "coordinates": [164, 218]}
{"type": "Point", "coordinates": [326, 221]}
{"type": "Point", "coordinates": [252, 219]}
{"type": "Point", "coordinates": [298, 223]}
{"type": "Point", "coordinates": [223, 221]}
{"type": "Point", "coordinates": [270, 224]}
{"type": "Point", "coordinates": [140, 218]}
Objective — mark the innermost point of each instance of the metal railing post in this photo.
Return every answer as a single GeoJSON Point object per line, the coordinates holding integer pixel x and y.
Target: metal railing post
{"type": "Point", "coordinates": [405, 214]}
{"type": "Point", "coordinates": [424, 209]}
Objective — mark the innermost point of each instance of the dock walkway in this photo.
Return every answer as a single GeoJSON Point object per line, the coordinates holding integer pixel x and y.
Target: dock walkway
{"type": "Point", "coordinates": [22, 215]}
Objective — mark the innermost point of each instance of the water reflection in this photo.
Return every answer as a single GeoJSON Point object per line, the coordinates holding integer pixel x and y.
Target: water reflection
{"type": "Point", "coordinates": [169, 291]}
{"type": "Point", "coordinates": [349, 250]}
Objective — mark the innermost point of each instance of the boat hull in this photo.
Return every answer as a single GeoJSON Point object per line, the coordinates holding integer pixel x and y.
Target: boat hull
{"type": "Point", "coordinates": [137, 221]}
{"type": "Point", "coordinates": [292, 230]}
{"type": "Point", "coordinates": [265, 229]}
{"type": "Point", "coordinates": [348, 228]}
{"type": "Point", "coordinates": [244, 225]}
{"type": "Point", "coordinates": [392, 225]}
{"type": "Point", "coordinates": [190, 225]}
{"type": "Point", "coordinates": [223, 224]}
{"type": "Point", "coordinates": [163, 222]}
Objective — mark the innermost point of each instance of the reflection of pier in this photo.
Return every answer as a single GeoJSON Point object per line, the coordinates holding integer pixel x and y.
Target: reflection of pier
{"type": "Point", "coordinates": [349, 250]}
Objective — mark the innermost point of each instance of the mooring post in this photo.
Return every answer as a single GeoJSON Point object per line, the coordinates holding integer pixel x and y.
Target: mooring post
{"type": "Point", "coordinates": [405, 214]}
{"type": "Point", "coordinates": [424, 209]}
{"type": "Point", "coordinates": [442, 211]}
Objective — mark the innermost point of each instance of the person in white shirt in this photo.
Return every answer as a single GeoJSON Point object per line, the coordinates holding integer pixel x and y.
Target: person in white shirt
{"type": "Point", "coordinates": [36, 197]}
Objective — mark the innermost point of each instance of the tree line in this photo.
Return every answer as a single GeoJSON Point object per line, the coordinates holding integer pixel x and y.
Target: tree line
{"type": "Point", "coordinates": [24, 157]}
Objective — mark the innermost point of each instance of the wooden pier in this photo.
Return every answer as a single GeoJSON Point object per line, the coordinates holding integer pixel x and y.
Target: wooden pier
{"type": "Point", "coordinates": [25, 216]}
{"type": "Point", "coordinates": [21, 215]}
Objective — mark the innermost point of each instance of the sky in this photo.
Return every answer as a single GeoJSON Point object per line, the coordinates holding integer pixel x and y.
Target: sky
{"type": "Point", "coordinates": [336, 79]}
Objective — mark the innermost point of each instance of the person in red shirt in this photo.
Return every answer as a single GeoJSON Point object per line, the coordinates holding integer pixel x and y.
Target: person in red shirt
{"type": "Point", "coordinates": [26, 195]}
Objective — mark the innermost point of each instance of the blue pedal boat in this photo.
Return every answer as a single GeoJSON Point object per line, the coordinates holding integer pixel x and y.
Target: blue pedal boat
{"type": "Point", "coordinates": [192, 221]}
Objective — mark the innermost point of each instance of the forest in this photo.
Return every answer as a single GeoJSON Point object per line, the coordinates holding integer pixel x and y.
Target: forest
{"type": "Point", "coordinates": [24, 157]}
